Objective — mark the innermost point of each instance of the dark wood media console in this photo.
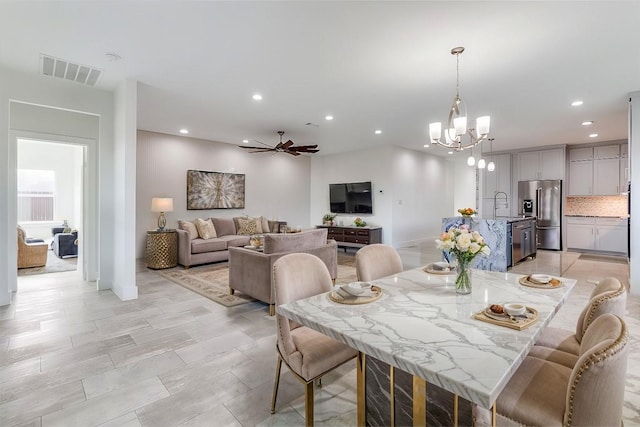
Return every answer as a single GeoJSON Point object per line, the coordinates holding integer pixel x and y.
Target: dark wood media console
{"type": "Point", "coordinates": [355, 237]}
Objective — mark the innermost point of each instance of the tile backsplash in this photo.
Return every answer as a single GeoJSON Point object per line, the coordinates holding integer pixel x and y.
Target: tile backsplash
{"type": "Point", "coordinates": [596, 206]}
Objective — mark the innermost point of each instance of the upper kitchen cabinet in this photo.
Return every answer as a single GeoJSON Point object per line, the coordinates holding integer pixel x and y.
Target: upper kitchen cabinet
{"type": "Point", "coordinates": [544, 164]}
{"type": "Point", "coordinates": [581, 178]}
{"type": "Point", "coordinates": [500, 178]}
{"type": "Point", "coordinates": [597, 171]}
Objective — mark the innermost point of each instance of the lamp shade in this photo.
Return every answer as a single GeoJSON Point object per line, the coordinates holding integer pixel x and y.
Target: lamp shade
{"type": "Point", "coordinates": [162, 204]}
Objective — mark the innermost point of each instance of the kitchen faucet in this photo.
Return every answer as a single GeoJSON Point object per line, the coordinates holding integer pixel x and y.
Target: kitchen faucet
{"type": "Point", "coordinates": [504, 204]}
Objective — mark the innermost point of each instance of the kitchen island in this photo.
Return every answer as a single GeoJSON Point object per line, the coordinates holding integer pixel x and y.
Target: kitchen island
{"type": "Point", "coordinates": [510, 239]}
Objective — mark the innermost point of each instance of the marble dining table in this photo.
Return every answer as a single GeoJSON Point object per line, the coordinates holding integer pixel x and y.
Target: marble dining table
{"type": "Point", "coordinates": [426, 331]}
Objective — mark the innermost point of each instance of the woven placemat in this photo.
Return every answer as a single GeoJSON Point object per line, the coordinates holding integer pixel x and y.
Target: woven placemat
{"type": "Point", "coordinates": [429, 269]}
{"type": "Point", "coordinates": [526, 281]}
{"type": "Point", "coordinates": [518, 324]}
{"type": "Point", "coordinates": [337, 296]}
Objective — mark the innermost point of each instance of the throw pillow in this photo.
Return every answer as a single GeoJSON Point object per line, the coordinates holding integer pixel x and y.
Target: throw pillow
{"type": "Point", "coordinates": [265, 225]}
{"type": "Point", "coordinates": [189, 227]}
{"type": "Point", "coordinates": [205, 229]}
{"type": "Point", "coordinates": [247, 226]}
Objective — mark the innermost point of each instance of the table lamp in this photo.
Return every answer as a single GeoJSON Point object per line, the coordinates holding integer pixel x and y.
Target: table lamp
{"type": "Point", "coordinates": [162, 205]}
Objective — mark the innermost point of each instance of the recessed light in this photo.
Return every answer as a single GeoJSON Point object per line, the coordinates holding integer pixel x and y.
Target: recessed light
{"type": "Point", "coordinates": [576, 103]}
{"type": "Point", "coordinates": [593, 135]}
{"type": "Point", "coordinates": [377, 132]}
{"type": "Point", "coordinates": [587, 123]}
{"type": "Point", "coordinates": [426, 145]}
{"type": "Point", "coordinates": [184, 131]}
{"type": "Point", "coordinates": [329, 117]}
{"type": "Point", "coordinates": [246, 141]}
{"type": "Point", "coordinates": [257, 97]}
{"type": "Point", "coordinates": [450, 152]}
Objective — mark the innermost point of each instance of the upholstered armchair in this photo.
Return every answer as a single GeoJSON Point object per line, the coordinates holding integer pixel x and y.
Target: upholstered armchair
{"type": "Point", "coordinates": [30, 254]}
{"type": "Point", "coordinates": [250, 271]}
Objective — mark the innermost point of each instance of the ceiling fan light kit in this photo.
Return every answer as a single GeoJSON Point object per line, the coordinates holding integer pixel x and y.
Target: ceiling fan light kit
{"type": "Point", "coordinates": [283, 147]}
{"type": "Point", "coordinates": [454, 134]}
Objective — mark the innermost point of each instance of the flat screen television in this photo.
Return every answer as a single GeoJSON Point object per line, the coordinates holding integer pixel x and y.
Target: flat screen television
{"type": "Point", "coordinates": [351, 198]}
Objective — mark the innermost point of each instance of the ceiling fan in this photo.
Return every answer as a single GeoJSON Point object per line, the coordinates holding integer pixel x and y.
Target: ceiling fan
{"type": "Point", "coordinates": [283, 147]}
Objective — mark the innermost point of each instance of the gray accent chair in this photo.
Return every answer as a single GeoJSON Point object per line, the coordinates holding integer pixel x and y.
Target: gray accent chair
{"type": "Point", "coordinates": [250, 271]}
{"type": "Point", "coordinates": [377, 261]}
{"type": "Point", "coordinates": [563, 346]}
{"type": "Point", "coordinates": [544, 393]}
{"type": "Point", "coordinates": [308, 353]}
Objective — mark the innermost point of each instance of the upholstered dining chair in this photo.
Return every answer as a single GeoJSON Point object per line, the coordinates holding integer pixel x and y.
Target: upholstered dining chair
{"type": "Point", "coordinates": [563, 346]}
{"type": "Point", "coordinates": [308, 353]}
{"type": "Point", "coordinates": [543, 393]}
{"type": "Point", "coordinates": [376, 261]}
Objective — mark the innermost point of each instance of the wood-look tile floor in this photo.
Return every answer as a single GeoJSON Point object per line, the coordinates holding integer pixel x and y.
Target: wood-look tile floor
{"type": "Point", "coordinates": [74, 356]}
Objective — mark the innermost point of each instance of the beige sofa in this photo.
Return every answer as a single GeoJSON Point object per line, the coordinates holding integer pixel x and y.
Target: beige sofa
{"type": "Point", "coordinates": [195, 250]}
{"type": "Point", "coordinates": [250, 271]}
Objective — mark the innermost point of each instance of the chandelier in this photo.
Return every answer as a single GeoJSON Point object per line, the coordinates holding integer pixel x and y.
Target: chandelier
{"type": "Point", "coordinates": [457, 136]}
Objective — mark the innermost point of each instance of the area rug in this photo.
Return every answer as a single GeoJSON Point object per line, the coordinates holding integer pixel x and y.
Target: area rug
{"type": "Point", "coordinates": [604, 258]}
{"type": "Point", "coordinates": [54, 265]}
{"type": "Point", "coordinates": [212, 280]}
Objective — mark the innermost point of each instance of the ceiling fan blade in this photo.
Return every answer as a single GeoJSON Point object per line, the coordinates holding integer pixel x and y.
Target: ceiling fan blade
{"type": "Point", "coordinates": [263, 150]}
{"type": "Point", "coordinates": [279, 146]}
{"type": "Point", "coordinates": [255, 148]}
{"type": "Point", "coordinates": [266, 145]}
{"type": "Point", "coordinates": [293, 153]}
{"type": "Point", "coordinates": [303, 147]}
{"type": "Point", "coordinates": [287, 144]}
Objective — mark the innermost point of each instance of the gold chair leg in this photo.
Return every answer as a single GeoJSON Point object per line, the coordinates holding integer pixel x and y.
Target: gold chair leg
{"type": "Point", "coordinates": [275, 385]}
{"type": "Point", "coordinates": [272, 309]}
{"type": "Point", "coordinates": [308, 404]}
{"type": "Point", "coordinates": [232, 291]}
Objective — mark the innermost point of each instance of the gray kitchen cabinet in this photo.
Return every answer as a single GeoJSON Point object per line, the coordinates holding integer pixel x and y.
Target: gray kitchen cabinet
{"type": "Point", "coordinates": [544, 164]}
{"type": "Point", "coordinates": [581, 178]}
{"type": "Point", "coordinates": [581, 233]}
{"type": "Point", "coordinates": [611, 235]}
{"type": "Point", "coordinates": [606, 176]}
{"type": "Point", "coordinates": [597, 234]}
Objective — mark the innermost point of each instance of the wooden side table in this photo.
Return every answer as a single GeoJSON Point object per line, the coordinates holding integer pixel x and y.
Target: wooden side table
{"type": "Point", "coordinates": [162, 249]}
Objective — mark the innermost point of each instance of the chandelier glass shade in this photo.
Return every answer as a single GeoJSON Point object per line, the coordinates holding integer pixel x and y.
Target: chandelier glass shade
{"type": "Point", "coordinates": [457, 136]}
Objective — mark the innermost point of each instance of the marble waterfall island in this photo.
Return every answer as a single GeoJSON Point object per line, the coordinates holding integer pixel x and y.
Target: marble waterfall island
{"type": "Point", "coordinates": [497, 235]}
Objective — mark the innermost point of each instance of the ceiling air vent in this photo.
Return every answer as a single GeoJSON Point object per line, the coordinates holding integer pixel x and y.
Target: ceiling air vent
{"type": "Point", "coordinates": [56, 67]}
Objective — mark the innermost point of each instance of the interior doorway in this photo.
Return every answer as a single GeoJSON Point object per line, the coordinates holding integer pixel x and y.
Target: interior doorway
{"type": "Point", "coordinates": [50, 189]}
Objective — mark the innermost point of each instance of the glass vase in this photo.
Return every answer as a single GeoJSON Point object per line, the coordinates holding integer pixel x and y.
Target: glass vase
{"type": "Point", "coordinates": [463, 278]}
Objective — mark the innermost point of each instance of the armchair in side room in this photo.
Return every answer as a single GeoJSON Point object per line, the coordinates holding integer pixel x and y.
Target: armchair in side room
{"type": "Point", "coordinates": [65, 244]}
{"type": "Point", "coordinates": [31, 252]}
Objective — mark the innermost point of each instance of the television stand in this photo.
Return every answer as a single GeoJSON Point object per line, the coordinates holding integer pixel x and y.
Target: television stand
{"type": "Point", "coordinates": [353, 237]}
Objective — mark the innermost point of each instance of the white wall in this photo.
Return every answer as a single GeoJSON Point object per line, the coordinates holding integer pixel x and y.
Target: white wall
{"type": "Point", "coordinates": [420, 195]}
{"type": "Point", "coordinates": [634, 165]}
{"type": "Point", "coordinates": [355, 166]}
{"type": "Point", "coordinates": [66, 162]}
{"type": "Point", "coordinates": [414, 187]}
{"type": "Point", "coordinates": [276, 185]}
{"type": "Point", "coordinates": [24, 102]}
{"type": "Point", "coordinates": [464, 184]}
{"type": "Point", "coordinates": [125, 129]}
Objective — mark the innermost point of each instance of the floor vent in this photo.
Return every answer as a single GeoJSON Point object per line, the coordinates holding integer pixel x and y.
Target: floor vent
{"type": "Point", "coordinates": [56, 67]}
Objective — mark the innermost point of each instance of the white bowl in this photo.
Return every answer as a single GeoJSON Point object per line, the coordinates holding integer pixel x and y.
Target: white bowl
{"type": "Point", "coordinates": [357, 288]}
{"type": "Point", "coordinates": [514, 309]}
{"type": "Point", "coordinates": [542, 278]}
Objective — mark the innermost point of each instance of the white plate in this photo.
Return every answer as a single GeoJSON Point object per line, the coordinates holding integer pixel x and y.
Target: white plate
{"type": "Point", "coordinates": [357, 288]}
{"type": "Point", "coordinates": [515, 309]}
{"type": "Point", "coordinates": [542, 278]}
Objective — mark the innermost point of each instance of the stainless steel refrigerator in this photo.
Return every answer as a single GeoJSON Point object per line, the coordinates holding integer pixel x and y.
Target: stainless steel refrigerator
{"type": "Point", "coordinates": [543, 199]}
